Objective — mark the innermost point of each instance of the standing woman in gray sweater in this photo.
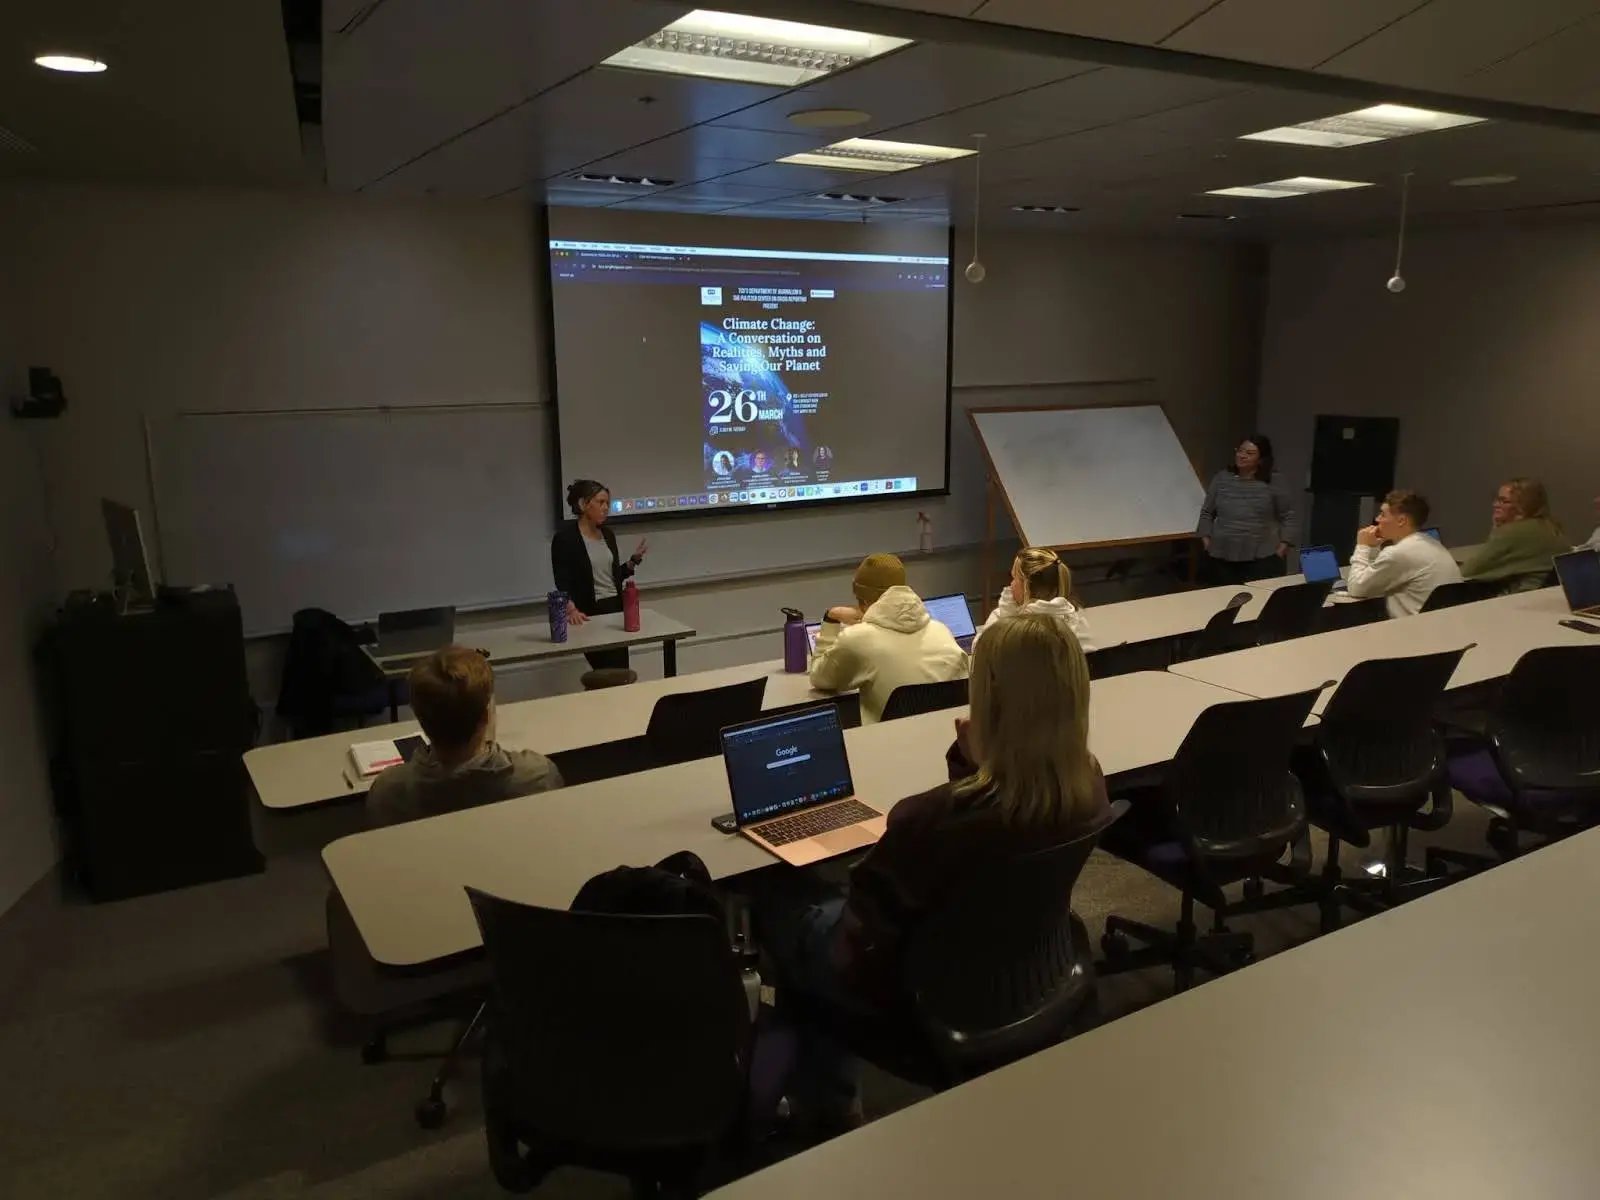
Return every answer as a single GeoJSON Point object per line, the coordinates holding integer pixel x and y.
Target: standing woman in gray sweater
{"type": "Point", "coordinates": [1247, 521]}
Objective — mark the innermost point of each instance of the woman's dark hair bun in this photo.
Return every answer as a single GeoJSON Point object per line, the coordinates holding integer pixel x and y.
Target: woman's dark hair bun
{"type": "Point", "coordinates": [581, 492]}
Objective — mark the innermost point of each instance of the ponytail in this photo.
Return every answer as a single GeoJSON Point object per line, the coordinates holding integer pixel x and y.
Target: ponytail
{"type": "Point", "coordinates": [581, 492]}
{"type": "Point", "coordinates": [1044, 575]}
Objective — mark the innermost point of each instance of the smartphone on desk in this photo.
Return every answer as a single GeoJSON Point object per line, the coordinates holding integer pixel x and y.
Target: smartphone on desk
{"type": "Point", "coordinates": [726, 823]}
{"type": "Point", "coordinates": [1581, 626]}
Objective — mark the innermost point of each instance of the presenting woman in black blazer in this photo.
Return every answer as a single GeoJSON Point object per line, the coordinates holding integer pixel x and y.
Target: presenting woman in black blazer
{"type": "Point", "coordinates": [584, 561]}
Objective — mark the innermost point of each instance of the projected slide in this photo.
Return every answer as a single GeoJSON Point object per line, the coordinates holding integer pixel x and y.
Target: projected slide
{"type": "Point", "coordinates": [696, 377]}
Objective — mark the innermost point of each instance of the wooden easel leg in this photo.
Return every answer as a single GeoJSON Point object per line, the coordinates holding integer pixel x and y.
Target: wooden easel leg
{"type": "Point", "coordinates": [988, 548]}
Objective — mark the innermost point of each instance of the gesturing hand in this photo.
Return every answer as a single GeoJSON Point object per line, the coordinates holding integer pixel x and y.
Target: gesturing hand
{"type": "Point", "coordinates": [641, 549]}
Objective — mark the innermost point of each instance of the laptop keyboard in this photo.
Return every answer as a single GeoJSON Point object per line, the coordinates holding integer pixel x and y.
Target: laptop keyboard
{"type": "Point", "coordinates": [814, 821]}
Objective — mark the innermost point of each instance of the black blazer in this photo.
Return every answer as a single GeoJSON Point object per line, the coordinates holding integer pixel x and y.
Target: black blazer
{"type": "Point", "coordinates": [574, 573]}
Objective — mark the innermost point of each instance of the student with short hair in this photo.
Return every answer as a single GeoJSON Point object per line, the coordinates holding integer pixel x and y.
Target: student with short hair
{"type": "Point", "coordinates": [462, 766]}
{"type": "Point", "coordinates": [1041, 585]}
{"type": "Point", "coordinates": [1394, 559]}
{"type": "Point", "coordinates": [886, 641]}
{"type": "Point", "coordinates": [1022, 779]}
{"type": "Point", "coordinates": [1524, 541]}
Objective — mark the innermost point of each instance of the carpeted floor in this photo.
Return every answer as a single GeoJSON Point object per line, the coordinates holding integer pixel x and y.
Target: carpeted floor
{"type": "Point", "coordinates": [186, 1047]}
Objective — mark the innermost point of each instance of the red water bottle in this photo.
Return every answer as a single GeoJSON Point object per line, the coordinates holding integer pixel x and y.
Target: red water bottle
{"type": "Point", "coordinates": [630, 607]}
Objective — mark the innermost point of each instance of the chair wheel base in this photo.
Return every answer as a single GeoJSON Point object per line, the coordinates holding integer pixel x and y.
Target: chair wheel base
{"type": "Point", "coordinates": [430, 1113]}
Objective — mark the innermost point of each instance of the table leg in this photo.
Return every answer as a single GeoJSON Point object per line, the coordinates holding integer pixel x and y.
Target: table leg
{"type": "Point", "coordinates": [394, 700]}
{"type": "Point", "coordinates": [669, 657]}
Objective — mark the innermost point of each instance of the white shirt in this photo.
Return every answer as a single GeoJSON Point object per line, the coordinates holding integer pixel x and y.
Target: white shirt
{"type": "Point", "coordinates": [1593, 543]}
{"type": "Point", "coordinates": [1062, 609]}
{"type": "Point", "coordinates": [1405, 573]}
{"type": "Point", "coordinates": [605, 584]}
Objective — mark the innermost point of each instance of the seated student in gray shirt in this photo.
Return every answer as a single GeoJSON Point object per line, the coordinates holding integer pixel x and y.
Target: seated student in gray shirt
{"type": "Point", "coordinates": [452, 694]}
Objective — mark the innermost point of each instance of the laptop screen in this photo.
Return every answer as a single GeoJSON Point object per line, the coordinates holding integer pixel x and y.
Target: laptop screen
{"type": "Point", "coordinates": [1580, 578]}
{"type": "Point", "coordinates": [786, 763]}
{"type": "Point", "coordinates": [1319, 564]}
{"type": "Point", "coordinates": [1433, 532]}
{"type": "Point", "coordinates": [953, 612]}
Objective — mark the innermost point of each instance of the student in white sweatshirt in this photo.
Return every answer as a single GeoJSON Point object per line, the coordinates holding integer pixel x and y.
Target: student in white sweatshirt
{"type": "Point", "coordinates": [886, 641]}
{"type": "Point", "coordinates": [1397, 561]}
{"type": "Point", "coordinates": [1042, 584]}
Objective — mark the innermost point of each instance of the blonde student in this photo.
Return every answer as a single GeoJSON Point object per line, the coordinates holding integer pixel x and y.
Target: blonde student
{"type": "Point", "coordinates": [1041, 585]}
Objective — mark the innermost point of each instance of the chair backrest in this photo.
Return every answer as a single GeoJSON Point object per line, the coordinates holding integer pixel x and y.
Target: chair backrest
{"type": "Point", "coordinates": [1153, 654]}
{"type": "Point", "coordinates": [1291, 612]}
{"type": "Point", "coordinates": [909, 699]}
{"type": "Point", "coordinates": [1230, 782]}
{"type": "Point", "coordinates": [1546, 727]}
{"type": "Point", "coordinates": [996, 971]}
{"type": "Point", "coordinates": [1220, 634]}
{"type": "Point", "coordinates": [684, 726]}
{"type": "Point", "coordinates": [615, 1032]}
{"type": "Point", "coordinates": [1465, 591]}
{"type": "Point", "coordinates": [1350, 613]}
{"type": "Point", "coordinates": [1377, 734]}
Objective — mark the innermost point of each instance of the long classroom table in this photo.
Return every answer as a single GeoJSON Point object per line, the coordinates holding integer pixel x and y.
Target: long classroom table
{"type": "Point", "coordinates": [311, 771]}
{"type": "Point", "coordinates": [1443, 1049]}
{"type": "Point", "coordinates": [1500, 631]}
{"type": "Point", "coordinates": [403, 884]}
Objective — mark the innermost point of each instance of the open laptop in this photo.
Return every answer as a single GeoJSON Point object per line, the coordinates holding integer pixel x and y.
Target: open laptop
{"type": "Point", "coordinates": [951, 611]}
{"type": "Point", "coordinates": [791, 785]}
{"type": "Point", "coordinates": [1319, 564]}
{"type": "Point", "coordinates": [406, 638]}
{"type": "Point", "coordinates": [1433, 532]}
{"type": "Point", "coordinates": [1579, 573]}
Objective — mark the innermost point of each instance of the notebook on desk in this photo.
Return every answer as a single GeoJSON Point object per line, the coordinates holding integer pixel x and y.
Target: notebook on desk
{"type": "Point", "coordinates": [792, 790]}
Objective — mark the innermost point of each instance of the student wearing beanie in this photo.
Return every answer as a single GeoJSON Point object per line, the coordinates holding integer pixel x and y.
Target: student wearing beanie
{"type": "Point", "coordinates": [886, 641]}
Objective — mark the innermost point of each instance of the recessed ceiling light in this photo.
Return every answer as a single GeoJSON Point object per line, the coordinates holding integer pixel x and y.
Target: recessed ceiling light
{"type": "Point", "coordinates": [1277, 189]}
{"type": "Point", "coordinates": [1205, 216]}
{"type": "Point", "coordinates": [1483, 180]}
{"type": "Point", "coordinates": [719, 45]}
{"type": "Point", "coordinates": [73, 64]}
{"type": "Point", "coordinates": [1376, 124]}
{"type": "Point", "coordinates": [871, 154]}
{"type": "Point", "coordinates": [829, 118]}
{"type": "Point", "coordinates": [1043, 208]}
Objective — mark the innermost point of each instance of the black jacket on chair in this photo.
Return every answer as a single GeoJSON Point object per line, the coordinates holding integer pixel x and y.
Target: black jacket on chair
{"type": "Point", "coordinates": [569, 564]}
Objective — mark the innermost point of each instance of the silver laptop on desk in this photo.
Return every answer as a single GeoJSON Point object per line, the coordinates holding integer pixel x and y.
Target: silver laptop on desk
{"type": "Point", "coordinates": [1579, 573]}
{"type": "Point", "coordinates": [792, 790]}
{"type": "Point", "coordinates": [407, 637]}
{"type": "Point", "coordinates": [952, 611]}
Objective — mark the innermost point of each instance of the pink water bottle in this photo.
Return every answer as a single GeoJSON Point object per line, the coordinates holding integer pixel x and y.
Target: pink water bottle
{"type": "Point", "coordinates": [630, 607]}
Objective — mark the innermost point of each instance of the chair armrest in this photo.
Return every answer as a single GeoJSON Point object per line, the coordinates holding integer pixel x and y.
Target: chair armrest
{"type": "Point", "coordinates": [1441, 803]}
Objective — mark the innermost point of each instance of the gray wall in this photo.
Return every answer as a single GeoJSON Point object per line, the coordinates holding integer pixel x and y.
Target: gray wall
{"type": "Point", "coordinates": [27, 830]}
{"type": "Point", "coordinates": [1488, 358]}
{"type": "Point", "coordinates": [149, 300]}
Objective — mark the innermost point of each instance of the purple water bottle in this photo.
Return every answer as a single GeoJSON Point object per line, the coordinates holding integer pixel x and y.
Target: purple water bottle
{"type": "Point", "coordinates": [558, 616]}
{"type": "Point", "coordinates": [796, 646]}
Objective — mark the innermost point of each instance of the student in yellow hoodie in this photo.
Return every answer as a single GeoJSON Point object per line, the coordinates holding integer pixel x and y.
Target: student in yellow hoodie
{"type": "Point", "coordinates": [885, 641]}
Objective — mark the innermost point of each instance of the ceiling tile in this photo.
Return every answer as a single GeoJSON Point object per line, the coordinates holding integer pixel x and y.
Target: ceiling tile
{"type": "Point", "coordinates": [1118, 20]}
{"type": "Point", "coordinates": [1559, 71]}
{"type": "Point", "coordinates": [1300, 35]}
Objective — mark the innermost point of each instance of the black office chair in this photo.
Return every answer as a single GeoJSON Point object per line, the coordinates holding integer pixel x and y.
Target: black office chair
{"type": "Point", "coordinates": [684, 725]}
{"type": "Point", "coordinates": [910, 699]}
{"type": "Point", "coordinates": [618, 1043]}
{"type": "Point", "coordinates": [1290, 612]}
{"type": "Point", "coordinates": [1227, 810]}
{"type": "Point", "coordinates": [1466, 591]}
{"type": "Point", "coordinates": [1220, 634]}
{"type": "Point", "coordinates": [1537, 770]}
{"type": "Point", "coordinates": [1378, 763]}
{"type": "Point", "coordinates": [1348, 614]}
{"type": "Point", "coordinates": [1001, 970]}
{"type": "Point", "coordinates": [1153, 654]}
{"type": "Point", "coordinates": [847, 704]}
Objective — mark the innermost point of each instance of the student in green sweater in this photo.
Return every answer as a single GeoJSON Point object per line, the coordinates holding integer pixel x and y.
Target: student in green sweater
{"type": "Point", "coordinates": [1523, 542]}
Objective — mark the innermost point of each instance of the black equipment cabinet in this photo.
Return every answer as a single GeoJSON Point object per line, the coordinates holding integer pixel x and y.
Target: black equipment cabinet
{"type": "Point", "coordinates": [153, 716]}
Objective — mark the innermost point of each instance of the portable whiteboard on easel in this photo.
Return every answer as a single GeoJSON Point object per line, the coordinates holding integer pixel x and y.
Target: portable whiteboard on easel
{"type": "Point", "coordinates": [1085, 478]}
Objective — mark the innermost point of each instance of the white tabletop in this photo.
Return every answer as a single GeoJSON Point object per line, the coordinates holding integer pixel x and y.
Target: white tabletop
{"type": "Point", "coordinates": [403, 884]}
{"type": "Point", "coordinates": [312, 770]}
{"type": "Point", "coordinates": [1501, 631]}
{"type": "Point", "coordinates": [1444, 1049]}
{"type": "Point", "coordinates": [1165, 616]}
{"type": "Point", "coordinates": [525, 641]}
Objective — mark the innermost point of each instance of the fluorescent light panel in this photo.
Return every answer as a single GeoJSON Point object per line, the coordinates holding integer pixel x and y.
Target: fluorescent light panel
{"type": "Point", "coordinates": [873, 154]}
{"type": "Point", "coordinates": [1299, 185]}
{"type": "Point", "coordinates": [72, 64]}
{"type": "Point", "coordinates": [719, 45]}
{"type": "Point", "coordinates": [1379, 123]}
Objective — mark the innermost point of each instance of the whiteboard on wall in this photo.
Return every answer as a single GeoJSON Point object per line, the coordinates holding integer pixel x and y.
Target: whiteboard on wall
{"type": "Point", "coordinates": [1090, 476]}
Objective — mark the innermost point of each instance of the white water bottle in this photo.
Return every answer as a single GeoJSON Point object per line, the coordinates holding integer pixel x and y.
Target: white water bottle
{"type": "Point", "coordinates": [925, 538]}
